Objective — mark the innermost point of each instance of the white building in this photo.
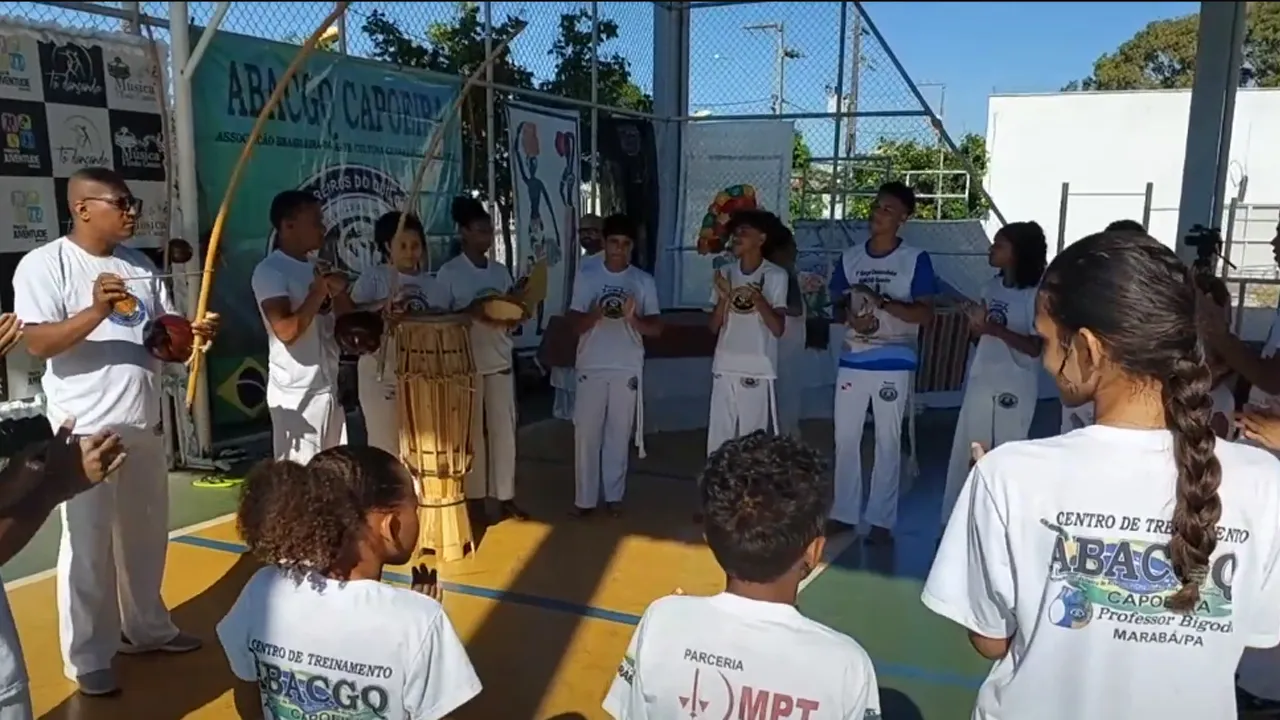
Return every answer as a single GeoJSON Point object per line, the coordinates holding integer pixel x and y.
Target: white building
{"type": "Point", "coordinates": [1107, 147]}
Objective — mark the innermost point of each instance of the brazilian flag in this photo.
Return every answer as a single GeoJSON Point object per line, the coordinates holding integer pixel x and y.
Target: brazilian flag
{"type": "Point", "coordinates": [241, 393]}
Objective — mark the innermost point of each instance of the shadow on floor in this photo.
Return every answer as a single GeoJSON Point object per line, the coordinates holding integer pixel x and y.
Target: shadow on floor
{"type": "Point", "coordinates": [171, 687]}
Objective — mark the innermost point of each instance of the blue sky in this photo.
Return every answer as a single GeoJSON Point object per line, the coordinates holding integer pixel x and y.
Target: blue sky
{"type": "Point", "coordinates": [971, 48]}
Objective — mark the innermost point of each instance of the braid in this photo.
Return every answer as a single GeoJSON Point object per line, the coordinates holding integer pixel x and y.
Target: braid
{"type": "Point", "coordinates": [1187, 410]}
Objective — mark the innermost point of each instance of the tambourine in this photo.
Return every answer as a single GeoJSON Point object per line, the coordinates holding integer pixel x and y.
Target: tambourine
{"type": "Point", "coordinates": [862, 301]}
{"type": "Point", "coordinates": [502, 309]}
{"type": "Point", "coordinates": [359, 332]}
{"type": "Point", "coordinates": [169, 338]}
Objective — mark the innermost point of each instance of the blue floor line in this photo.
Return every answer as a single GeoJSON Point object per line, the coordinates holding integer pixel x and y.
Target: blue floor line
{"type": "Point", "coordinates": [906, 672]}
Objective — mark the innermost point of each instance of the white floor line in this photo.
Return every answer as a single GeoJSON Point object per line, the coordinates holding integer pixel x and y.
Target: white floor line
{"type": "Point", "coordinates": [188, 530]}
{"type": "Point", "coordinates": [835, 548]}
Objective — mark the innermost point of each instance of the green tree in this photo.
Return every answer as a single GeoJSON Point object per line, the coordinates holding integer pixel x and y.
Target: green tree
{"type": "Point", "coordinates": [1162, 55]}
{"type": "Point", "coordinates": [572, 76]}
{"type": "Point", "coordinates": [458, 48]}
{"type": "Point", "coordinates": [930, 169]}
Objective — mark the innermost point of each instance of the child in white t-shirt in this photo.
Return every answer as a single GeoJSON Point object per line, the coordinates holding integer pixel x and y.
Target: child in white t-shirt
{"type": "Point", "coordinates": [750, 314]}
{"type": "Point", "coordinates": [316, 629]}
{"type": "Point", "coordinates": [404, 274]}
{"type": "Point", "coordinates": [614, 306]}
{"type": "Point", "coordinates": [748, 652]}
{"type": "Point", "coordinates": [464, 283]}
{"type": "Point", "coordinates": [1004, 375]}
{"type": "Point", "coordinates": [1120, 570]}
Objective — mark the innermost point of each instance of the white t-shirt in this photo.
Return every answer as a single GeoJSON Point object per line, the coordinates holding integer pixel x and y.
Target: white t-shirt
{"type": "Point", "coordinates": [613, 344]}
{"type": "Point", "coordinates": [591, 261]}
{"type": "Point", "coordinates": [1061, 544]}
{"type": "Point", "coordinates": [728, 656]}
{"type": "Point", "coordinates": [310, 365]}
{"type": "Point", "coordinates": [418, 292]}
{"type": "Point", "coordinates": [361, 649]}
{"type": "Point", "coordinates": [460, 283]}
{"type": "Point", "coordinates": [994, 362]}
{"type": "Point", "coordinates": [109, 379]}
{"type": "Point", "coordinates": [745, 346]}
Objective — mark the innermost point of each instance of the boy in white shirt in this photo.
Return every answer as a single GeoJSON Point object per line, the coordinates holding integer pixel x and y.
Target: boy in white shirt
{"type": "Point", "coordinates": [614, 307]}
{"type": "Point", "coordinates": [893, 285]}
{"type": "Point", "coordinates": [88, 303]}
{"type": "Point", "coordinates": [750, 312]}
{"type": "Point", "coordinates": [297, 302]}
{"type": "Point", "coordinates": [766, 499]}
{"type": "Point", "coordinates": [1138, 552]}
{"type": "Point", "coordinates": [316, 630]}
{"type": "Point", "coordinates": [463, 284]}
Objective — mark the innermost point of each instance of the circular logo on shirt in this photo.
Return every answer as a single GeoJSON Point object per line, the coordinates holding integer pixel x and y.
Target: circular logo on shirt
{"type": "Point", "coordinates": [414, 300]}
{"type": "Point", "coordinates": [612, 301]}
{"type": "Point", "coordinates": [353, 197]}
{"type": "Point", "coordinates": [1007, 401]}
{"type": "Point", "coordinates": [750, 382]}
{"type": "Point", "coordinates": [129, 312]}
{"type": "Point", "coordinates": [633, 383]}
{"type": "Point", "coordinates": [742, 299]}
{"type": "Point", "coordinates": [997, 316]}
{"type": "Point", "coordinates": [888, 393]}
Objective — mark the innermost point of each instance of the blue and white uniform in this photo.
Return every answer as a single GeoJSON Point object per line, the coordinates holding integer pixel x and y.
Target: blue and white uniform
{"type": "Point", "coordinates": [876, 368]}
{"type": "Point", "coordinates": [1000, 392]}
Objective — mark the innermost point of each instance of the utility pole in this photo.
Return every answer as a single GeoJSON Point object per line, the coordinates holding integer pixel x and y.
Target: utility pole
{"type": "Point", "coordinates": [783, 54]}
{"type": "Point", "coordinates": [855, 76]}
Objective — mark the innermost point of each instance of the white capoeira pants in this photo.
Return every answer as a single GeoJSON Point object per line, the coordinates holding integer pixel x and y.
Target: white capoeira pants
{"type": "Point", "coordinates": [493, 438]}
{"type": "Point", "coordinates": [606, 417]}
{"type": "Point", "coordinates": [740, 405]}
{"type": "Point", "coordinates": [992, 416]}
{"type": "Point", "coordinates": [305, 425]}
{"type": "Point", "coordinates": [18, 705]}
{"type": "Point", "coordinates": [378, 405]}
{"type": "Point", "coordinates": [887, 391]}
{"type": "Point", "coordinates": [790, 385]}
{"type": "Point", "coordinates": [111, 560]}
{"type": "Point", "coordinates": [1076, 417]}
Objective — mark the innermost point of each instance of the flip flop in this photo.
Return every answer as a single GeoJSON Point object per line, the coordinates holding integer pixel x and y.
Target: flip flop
{"type": "Point", "coordinates": [216, 482]}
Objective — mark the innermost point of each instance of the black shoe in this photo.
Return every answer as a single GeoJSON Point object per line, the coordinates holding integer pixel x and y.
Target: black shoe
{"type": "Point", "coordinates": [614, 509]}
{"type": "Point", "coordinates": [835, 527]}
{"type": "Point", "coordinates": [512, 512]}
{"type": "Point", "coordinates": [879, 535]}
{"type": "Point", "coordinates": [581, 513]}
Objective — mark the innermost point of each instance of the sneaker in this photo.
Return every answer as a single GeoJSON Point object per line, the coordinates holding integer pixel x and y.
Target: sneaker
{"type": "Point", "coordinates": [180, 643]}
{"type": "Point", "coordinates": [98, 683]}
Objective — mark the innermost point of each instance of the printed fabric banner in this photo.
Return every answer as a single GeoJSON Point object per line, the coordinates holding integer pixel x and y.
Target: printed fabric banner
{"type": "Point", "coordinates": [545, 163]}
{"type": "Point", "coordinates": [350, 131]}
{"type": "Point", "coordinates": [727, 166]}
{"type": "Point", "coordinates": [70, 100]}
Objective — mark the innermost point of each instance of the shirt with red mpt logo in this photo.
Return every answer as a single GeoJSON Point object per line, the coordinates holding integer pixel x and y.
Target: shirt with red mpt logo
{"type": "Point", "coordinates": [730, 656]}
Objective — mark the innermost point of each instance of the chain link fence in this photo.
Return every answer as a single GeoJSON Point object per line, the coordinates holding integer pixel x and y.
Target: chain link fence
{"type": "Point", "coordinates": [594, 57]}
{"type": "Point", "coordinates": [859, 119]}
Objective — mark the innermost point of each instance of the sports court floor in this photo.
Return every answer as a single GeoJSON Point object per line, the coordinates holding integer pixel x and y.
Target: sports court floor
{"type": "Point", "coordinates": [546, 607]}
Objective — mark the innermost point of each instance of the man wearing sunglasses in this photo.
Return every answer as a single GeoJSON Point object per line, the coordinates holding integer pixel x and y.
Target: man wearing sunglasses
{"type": "Point", "coordinates": [86, 301]}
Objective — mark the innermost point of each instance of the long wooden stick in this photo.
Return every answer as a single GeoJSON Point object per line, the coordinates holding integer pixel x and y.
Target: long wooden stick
{"type": "Point", "coordinates": [431, 147]}
{"type": "Point", "coordinates": [282, 84]}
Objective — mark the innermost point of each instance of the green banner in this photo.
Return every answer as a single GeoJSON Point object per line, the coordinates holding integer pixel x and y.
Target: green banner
{"type": "Point", "coordinates": [351, 131]}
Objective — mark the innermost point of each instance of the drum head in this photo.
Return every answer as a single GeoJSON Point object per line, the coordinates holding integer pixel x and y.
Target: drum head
{"type": "Point", "coordinates": [503, 309]}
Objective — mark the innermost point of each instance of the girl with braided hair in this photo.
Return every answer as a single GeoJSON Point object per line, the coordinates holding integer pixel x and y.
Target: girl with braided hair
{"type": "Point", "coordinates": [1119, 570]}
